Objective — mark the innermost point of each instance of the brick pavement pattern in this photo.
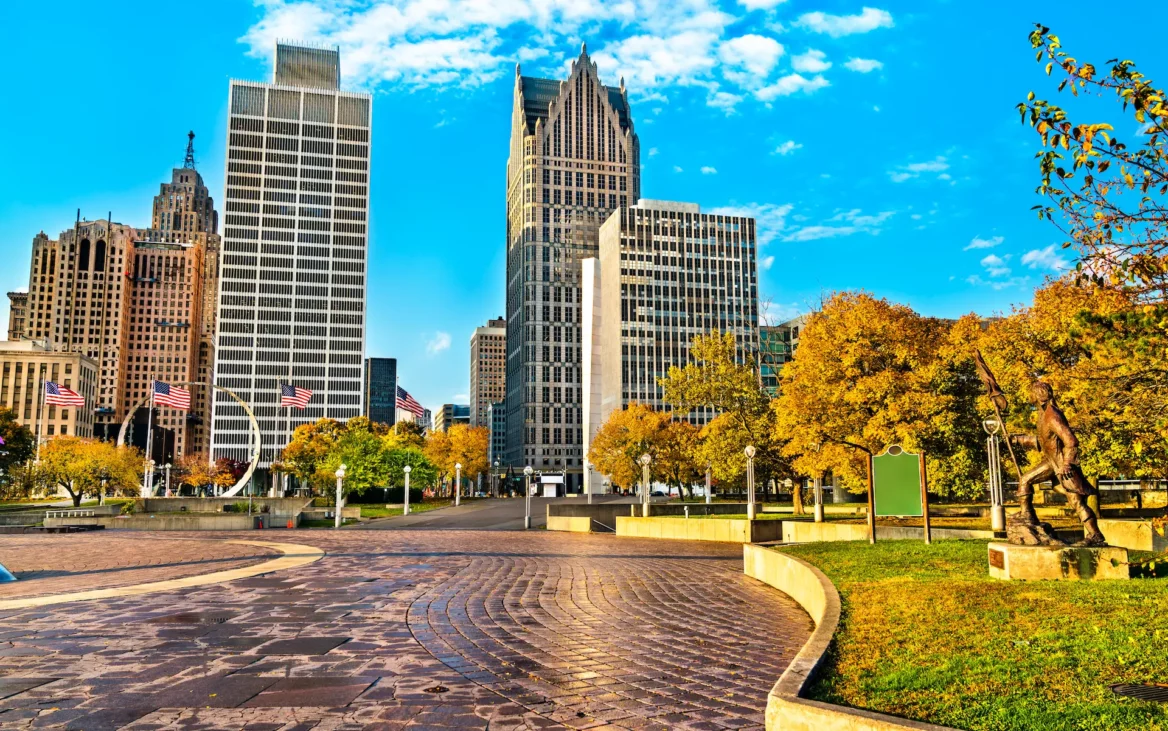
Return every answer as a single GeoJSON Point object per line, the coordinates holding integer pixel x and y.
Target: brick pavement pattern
{"type": "Point", "coordinates": [54, 564]}
{"type": "Point", "coordinates": [418, 630]}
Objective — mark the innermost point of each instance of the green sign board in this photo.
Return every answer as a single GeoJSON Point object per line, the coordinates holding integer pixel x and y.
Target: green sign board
{"type": "Point", "coordinates": [896, 483]}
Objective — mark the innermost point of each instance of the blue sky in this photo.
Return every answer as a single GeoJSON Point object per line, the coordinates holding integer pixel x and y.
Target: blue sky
{"type": "Point", "coordinates": [876, 142]}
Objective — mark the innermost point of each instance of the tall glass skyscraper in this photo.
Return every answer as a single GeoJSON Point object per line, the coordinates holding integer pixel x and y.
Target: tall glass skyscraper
{"type": "Point", "coordinates": [381, 390]}
{"type": "Point", "coordinates": [292, 285]}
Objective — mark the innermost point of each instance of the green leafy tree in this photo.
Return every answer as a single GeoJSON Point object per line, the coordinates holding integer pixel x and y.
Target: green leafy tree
{"type": "Point", "coordinates": [19, 443]}
{"type": "Point", "coordinates": [79, 465]}
{"type": "Point", "coordinates": [1109, 199]}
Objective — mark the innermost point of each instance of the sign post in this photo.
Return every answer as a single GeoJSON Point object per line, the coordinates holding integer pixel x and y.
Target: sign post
{"type": "Point", "coordinates": [900, 486]}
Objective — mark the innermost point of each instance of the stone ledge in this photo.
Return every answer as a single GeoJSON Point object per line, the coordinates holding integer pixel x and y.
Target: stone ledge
{"type": "Point", "coordinates": [1056, 563]}
{"type": "Point", "coordinates": [725, 530]}
{"type": "Point", "coordinates": [786, 709]}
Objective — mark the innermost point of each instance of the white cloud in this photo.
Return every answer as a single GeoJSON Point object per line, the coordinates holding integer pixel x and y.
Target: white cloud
{"type": "Point", "coordinates": [791, 84]}
{"type": "Point", "coordinates": [677, 169]}
{"type": "Point", "coordinates": [787, 148]}
{"type": "Point", "coordinates": [770, 219]}
{"type": "Point", "coordinates": [461, 398]}
{"type": "Point", "coordinates": [863, 65]}
{"type": "Point", "coordinates": [914, 170]}
{"type": "Point", "coordinates": [752, 56]}
{"type": "Point", "coordinates": [760, 4]}
{"type": "Point", "coordinates": [724, 100]}
{"type": "Point", "coordinates": [440, 342]}
{"type": "Point", "coordinates": [766, 262]}
{"type": "Point", "coordinates": [844, 223]}
{"type": "Point", "coordinates": [661, 46]}
{"type": "Point", "coordinates": [835, 26]}
{"type": "Point", "coordinates": [709, 170]}
{"type": "Point", "coordinates": [980, 243]}
{"type": "Point", "coordinates": [652, 152]}
{"type": "Point", "coordinates": [996, 265]}
{"type": "Point", "coordinates": [811, 62]}
{"type": "Point", "coordinates": [1047, 258]}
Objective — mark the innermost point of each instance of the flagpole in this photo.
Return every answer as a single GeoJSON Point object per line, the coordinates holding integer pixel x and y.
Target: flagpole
{"type": "Point", "coordinates": [41, 416]}
{"type": "Point", "coordinates": [149, 441]}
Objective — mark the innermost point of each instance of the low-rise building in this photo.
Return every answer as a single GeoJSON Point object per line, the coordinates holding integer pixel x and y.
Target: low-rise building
{"type": "Point", "coordinates": [451, 414]}
{"type": "Point", "coordinates": [25, 365]}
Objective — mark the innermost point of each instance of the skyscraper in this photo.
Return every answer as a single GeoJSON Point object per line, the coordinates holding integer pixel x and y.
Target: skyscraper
{"type": "Point", "coordinates": [666, 272]}
{"type": "Point", "coordinates": [175, 277]}
{"type": "Point", "coordinates": [292, 289]}
{"type": "Point", "coordinates": [574, 159]}
{"type": "Point", "coordinates": [488, 358]}
{"type": "Point", "coordinates": [381, 390]}
{"type": "Point", "coordinates": [78, 301]}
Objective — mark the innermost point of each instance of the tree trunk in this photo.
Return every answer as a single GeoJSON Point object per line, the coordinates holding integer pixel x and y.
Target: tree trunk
{"type": "Point", "coordinates": [76, 496]}
{"type": "Point", "coordinates": [797, 497]}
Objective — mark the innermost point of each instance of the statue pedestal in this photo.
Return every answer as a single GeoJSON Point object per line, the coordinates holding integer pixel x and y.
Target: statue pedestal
{"type": "Point", "coordinates": [1036, 563]}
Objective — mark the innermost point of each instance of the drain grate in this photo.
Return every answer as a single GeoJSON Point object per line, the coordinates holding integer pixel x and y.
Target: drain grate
{"type": "Point", "coordinates": [190, 618]}
{"type": "Point", "coordinates": [1156, 692]}
{"type": "Point", "coordinates": [436, 689]}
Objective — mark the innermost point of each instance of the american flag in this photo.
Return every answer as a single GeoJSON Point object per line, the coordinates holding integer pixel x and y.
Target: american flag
{"type": "Point", "coordinates": [60, 396]}
{"type": "Point", "coordinates": [173, 396]}
{"type": "Point", "coordinates": [406, 401]}
{"type": "Point", "coordinates": [294, 396]}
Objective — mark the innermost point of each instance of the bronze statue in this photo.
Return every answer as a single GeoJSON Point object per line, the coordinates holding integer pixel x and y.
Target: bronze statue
{"type": "Point", "coordinates": [1059, 446]}
{"type": "Point", "coordinates": [1060, 464]}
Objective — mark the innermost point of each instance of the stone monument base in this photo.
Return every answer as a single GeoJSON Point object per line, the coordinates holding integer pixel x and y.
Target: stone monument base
{"type": "Point", "coordinates": [1036, 563]}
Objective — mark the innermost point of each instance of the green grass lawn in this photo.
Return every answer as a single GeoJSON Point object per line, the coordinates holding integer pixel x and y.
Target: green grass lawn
{"type": "Point", "coordinates": [927, 635]}
{"type": "Point", "coordinates": [380, 511]}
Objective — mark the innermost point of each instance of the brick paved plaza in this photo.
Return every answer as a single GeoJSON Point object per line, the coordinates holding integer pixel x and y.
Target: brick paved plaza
{"type": "Point", "coordinates": [397, 629]}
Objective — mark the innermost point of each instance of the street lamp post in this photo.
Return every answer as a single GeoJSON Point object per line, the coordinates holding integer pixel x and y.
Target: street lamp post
{"type": "Point", "coordinates": [104, 479]}
{"type": "Point", "coordinates": [750, 452]}
{"type": "Point", "coordinates": [147, 481]}
{"type": "Point", "coordinates": [645, 460]}
{"type": "Point", "coordinates": [819, 499]}
{"type": "Point", "coordinates": [527, 497]}
{"type": "Point", "coordinates": [997, 502]}
{"type": "Point", "coordinates": [457, 482]}
{"type": "Point", "coordinates": [340, 482]}
{"type": "Point", "coordinates": [588, 481]}
{"type": "Point", "coordinates": [495, 480]}
{"type": "Point", "coordinates": [709, 484]}
{"type": "Point", "coordinates": [406, 492]}
{"type": "Point", "coordinates": [166, 470]}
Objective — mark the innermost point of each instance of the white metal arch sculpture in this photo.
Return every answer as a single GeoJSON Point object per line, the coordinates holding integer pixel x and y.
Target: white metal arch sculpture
{"type": "Point", "coordinates": [255, 431]}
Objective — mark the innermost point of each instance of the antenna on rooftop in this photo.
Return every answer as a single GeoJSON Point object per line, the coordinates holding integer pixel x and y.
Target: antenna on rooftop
{"type": "Point", "coordinates": [189, 160]}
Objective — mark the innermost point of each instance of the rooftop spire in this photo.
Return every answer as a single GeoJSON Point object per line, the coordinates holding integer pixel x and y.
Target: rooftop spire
{"type": "Point", "coordinates": [189, 160]}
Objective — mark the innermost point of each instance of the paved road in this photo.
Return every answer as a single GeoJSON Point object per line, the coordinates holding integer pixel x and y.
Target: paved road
{"type": "Point", "coordinates": [420, 630]}
{"type": "Point", "coordinates": [495, 514]}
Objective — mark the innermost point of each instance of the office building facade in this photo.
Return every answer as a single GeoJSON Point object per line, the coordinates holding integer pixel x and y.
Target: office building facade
{"type": "Point", "coordinates": [574, 159]}
{"type": "Point", "coordinates": [497, 421]}
{"type": "Point", "coordinates": [488, 369]}
{"type": "Point", "coordinates": [380, 388]}
{"type": "Point", "coordinates": [294, 255]}
{"type": "Point", "coordinates": [24, 367]}
{"type": "Point", "coordinates": [776, 347]}
{"type": "Point", "coordinates": [450, 415]}
{"type": "Point", "coordinates": [666, 273]}
{"type": "Point", "coordinates": [78, 301]}
{"type": "Point", "coordinates": [17, 306]}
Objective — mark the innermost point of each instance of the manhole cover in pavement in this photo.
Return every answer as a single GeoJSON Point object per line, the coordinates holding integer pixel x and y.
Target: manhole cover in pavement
{"type": "Point", "coordinates": [1156, 692]}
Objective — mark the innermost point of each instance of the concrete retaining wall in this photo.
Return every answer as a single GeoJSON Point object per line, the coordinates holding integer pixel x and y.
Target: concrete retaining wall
{"type": "Point", "coordinates": [606, 513]}
{"type": "Point", "coordinates": [569, 524]}
{"type": "Point", "coordinates": [1134, 535]}
{"type": "Point", "coordinates": [804, 531]}
{"type": "Point", "coordinates": [170, 521]}
{"type": "Point", "coordinates": [725, 530]}
{"type": "Point", "coordinates": [280, 508]}
{"type": "Point", "coordinates": [786, 710]}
